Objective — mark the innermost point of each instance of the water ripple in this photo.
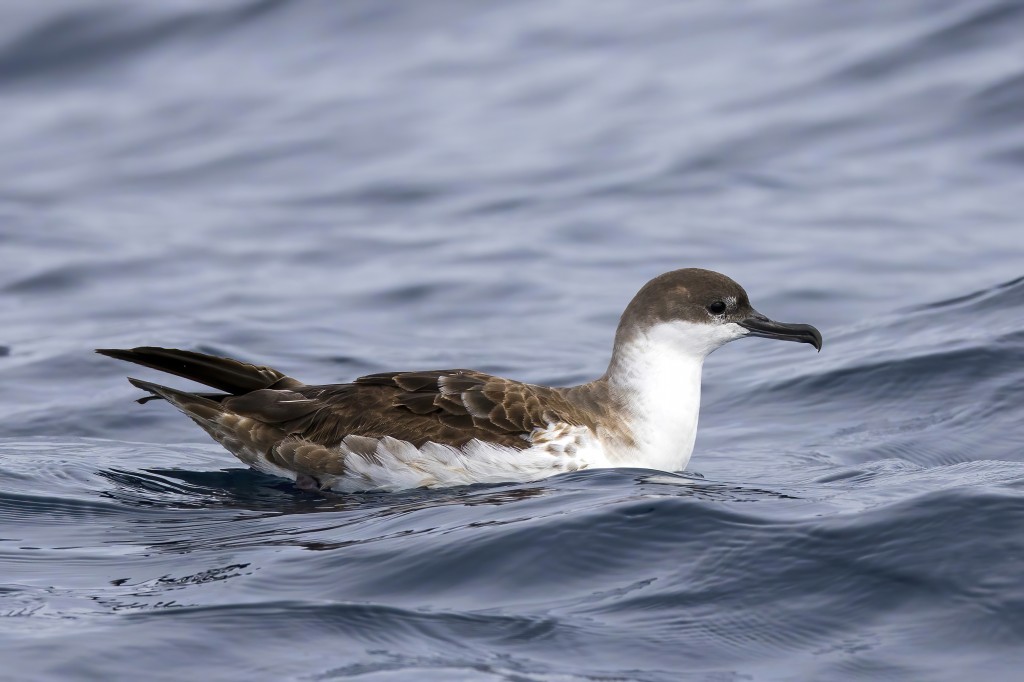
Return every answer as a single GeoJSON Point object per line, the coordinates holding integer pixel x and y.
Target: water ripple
{"type": "Point", "coordinates": [337, 189]}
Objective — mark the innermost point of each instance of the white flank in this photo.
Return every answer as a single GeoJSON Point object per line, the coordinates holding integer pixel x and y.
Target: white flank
{"type": "Point", "coordinates": [389, 464]}
{"type": "Point", "coordinates": [399, 465]}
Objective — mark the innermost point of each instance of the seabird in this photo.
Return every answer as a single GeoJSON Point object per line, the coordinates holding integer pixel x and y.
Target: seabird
{"type": "Point", "coordinates": [400, 430]}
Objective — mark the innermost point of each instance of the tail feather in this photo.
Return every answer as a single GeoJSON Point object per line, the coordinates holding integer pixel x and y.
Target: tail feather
{"type": "Point", "coordinates": [199, 407]}
{"type": "Point", "coordinates": [232, 376]}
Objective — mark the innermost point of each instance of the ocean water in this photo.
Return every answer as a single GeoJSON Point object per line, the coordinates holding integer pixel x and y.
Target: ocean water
{"type": "Point", "coordinates": [335, 189]}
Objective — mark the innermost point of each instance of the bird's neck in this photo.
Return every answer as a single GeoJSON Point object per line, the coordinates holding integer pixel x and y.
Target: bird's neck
{"type": "Point", "coordinates": [659, 391]}
{"type": "Point", "coordinates": [650, 400]}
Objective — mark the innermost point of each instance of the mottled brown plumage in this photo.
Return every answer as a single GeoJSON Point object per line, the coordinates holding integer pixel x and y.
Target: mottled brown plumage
{"type": "Point", "coordinates": [450, 407]}
{"type": "Point", "coordinates": [298, 426]}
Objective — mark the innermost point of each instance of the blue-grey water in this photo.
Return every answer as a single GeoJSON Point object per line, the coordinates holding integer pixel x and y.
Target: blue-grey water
{"type": "Point", "coordinates": [338, 188]}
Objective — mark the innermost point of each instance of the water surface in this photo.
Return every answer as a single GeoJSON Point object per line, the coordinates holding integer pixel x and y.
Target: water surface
{"type": "Point", "coordinates": [335, 189]}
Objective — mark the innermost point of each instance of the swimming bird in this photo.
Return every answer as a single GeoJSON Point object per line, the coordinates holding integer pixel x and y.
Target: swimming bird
{"type": "Point", "coordinates": [400, 430]}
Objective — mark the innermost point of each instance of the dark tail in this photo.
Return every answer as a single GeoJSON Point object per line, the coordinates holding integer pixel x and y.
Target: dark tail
{"type": "Point", "coordinates": [232, 376]}
{"type": "Point", "coordinates": [203, 409]}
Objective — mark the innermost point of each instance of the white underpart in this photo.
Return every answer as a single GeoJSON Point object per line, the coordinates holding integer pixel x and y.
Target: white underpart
{"type": "Point", "coordinates": [659, 373]}
{"type": "Point", "coordinates": [399, 465]}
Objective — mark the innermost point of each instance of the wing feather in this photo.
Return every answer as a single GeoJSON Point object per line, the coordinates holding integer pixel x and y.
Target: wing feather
{"type": "Point", "coordinates": [448, 407]}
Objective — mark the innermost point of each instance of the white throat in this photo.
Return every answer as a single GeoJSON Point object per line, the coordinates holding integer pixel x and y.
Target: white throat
{"type": "Point", "coordinates": [658, 375]}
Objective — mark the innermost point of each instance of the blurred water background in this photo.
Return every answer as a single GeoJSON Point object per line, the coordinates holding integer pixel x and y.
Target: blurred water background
{"type": "Point", "coordinates": [338, 188]}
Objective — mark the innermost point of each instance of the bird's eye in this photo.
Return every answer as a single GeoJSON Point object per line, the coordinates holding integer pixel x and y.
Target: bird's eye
{"type": "Point", "coordinates": [717, 308]}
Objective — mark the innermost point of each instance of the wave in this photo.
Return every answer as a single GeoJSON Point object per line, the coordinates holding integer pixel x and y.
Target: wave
{"type": "Point", "coordinates": [594, 574]}
{"type": "Point", "coordinates": [82, 39]}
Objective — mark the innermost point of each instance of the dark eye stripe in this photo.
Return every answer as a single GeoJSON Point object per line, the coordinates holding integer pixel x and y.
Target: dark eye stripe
{"type": "Point", "coordinates": [717, 308]}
